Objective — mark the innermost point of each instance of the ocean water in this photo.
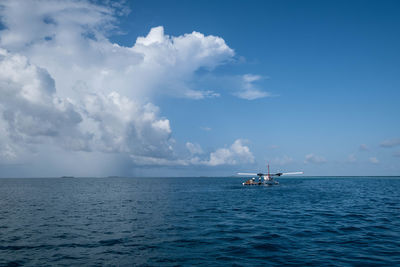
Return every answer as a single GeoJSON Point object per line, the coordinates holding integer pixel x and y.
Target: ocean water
{"type": "Point", "coordinates": [199, 221]}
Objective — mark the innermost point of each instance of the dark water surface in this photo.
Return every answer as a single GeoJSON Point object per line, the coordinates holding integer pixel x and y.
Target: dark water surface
{"type": "Point", "coordinates": [199, 221]}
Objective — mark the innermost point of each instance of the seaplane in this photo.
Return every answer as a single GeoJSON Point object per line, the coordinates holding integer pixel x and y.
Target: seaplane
{"type": "Point", "coordinates": [265, 178]}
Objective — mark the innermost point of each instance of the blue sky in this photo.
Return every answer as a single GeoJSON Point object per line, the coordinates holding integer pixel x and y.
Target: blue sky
{"type": "Point", "coordinates": [303, 85]}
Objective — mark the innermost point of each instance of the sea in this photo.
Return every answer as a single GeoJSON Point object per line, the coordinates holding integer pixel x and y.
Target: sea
{"type": "Point", "coordinates": [313, 221]}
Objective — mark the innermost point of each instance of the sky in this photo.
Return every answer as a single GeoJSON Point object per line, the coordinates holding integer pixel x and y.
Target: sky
{"type": "Point", "coordinates": [199, 88]}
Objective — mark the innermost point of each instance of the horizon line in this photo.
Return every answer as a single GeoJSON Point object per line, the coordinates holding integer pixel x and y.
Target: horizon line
{"type": "Point", "coordinates": [228, 176]}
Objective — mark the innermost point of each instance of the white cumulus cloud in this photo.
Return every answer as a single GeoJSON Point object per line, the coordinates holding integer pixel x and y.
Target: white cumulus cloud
{"type": "Point", "coordinates": [249, 90]}
{"type": "Point", "coordinates": [63, 83]}
{"type": "Point", "coordinates": [194, 148]}
{"type": "Point", "coordinates": [31, 111]}
{"type": "Point", "coordinates": [236, 153]}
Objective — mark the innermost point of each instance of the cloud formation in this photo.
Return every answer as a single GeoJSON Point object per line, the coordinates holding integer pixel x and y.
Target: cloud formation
{"type": "Point", "coordinates": [194, 148]}
{"type": "Point", "coordinates": [311, 158]}
{"type": "Point", "coordinates": [75, 33]}
{"type": "Point", "coordinates": [64, 83]}
{"type": "Point", "coordinates": [31, 111]}
{"type": "Point", "coordinates": [249, 90]}
{"type": "Point", "coordinates": [390, 143]}
{"type": "Point", "coordinates": [237, 153]}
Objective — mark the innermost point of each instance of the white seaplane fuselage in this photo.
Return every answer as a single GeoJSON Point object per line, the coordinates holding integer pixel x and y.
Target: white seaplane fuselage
{"type": "Point", "coordinates": [265, 180]}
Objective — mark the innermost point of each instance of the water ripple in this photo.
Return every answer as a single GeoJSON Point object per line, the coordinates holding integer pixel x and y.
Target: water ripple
{"type": "Point", "coordinates": [193, 221]}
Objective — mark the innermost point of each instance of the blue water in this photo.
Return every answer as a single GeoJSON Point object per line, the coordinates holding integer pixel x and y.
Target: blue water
{"type": "Point", "coordinates": [199, 221]}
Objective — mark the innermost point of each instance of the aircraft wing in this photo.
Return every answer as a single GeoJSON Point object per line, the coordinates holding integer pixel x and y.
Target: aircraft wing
{"type": "Point", "coordinates": [247, 174]}
{"type": "Point", "coordinates": [291, 173]}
